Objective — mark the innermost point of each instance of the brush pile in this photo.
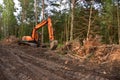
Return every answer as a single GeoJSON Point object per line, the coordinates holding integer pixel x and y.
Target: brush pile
{"type": "Point", "coordinates": [10, 40]}
{"type": "Point", "coordinates": [94, 53]}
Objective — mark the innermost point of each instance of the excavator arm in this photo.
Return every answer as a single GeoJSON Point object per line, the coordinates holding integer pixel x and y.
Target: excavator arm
{"type": "Point", "coordinates": [40, 25]}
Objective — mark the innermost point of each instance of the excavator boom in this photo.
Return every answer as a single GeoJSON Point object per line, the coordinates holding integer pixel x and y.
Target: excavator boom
{"type": "Point", "coordinates": [50, 28]}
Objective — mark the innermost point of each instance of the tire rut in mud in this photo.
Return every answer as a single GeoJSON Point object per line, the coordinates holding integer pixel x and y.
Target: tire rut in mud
{"type": "Point", "coordinates": [71, 64]}
{"type": "Point", "coordinates": [38, 64]}
{"type": "Point", "coordinates": [48, 62]}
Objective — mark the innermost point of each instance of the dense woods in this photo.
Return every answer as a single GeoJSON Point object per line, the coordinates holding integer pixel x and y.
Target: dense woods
{"type": "Point", "coordinates": [59, 39]}
{"type": "Point", "coordinates": [71, 19]}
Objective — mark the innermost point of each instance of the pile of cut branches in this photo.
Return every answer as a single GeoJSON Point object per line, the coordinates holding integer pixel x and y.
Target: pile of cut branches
{"type": "Point", "coordinates": [93, 48]}
{"type": "Point", "coordinates": [9, 40]}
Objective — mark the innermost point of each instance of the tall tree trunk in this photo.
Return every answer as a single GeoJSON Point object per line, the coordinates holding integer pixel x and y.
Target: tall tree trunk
{"type": "Point", "coordinates": [72, 19]}
{"type": "Point", "coordinates": [42, 18]}
{"type": "Point", "coordinates": [118, 20]}
{"type": "Point", "coordinates": [66, 28]}
{"type": "Point", "coordinates": [36, 15]}
{"type": "Point", "coordinates": [68, 22]}
{"type": "Point", "coordinates": [89, 24]}
{"type": "Point", "coordinates": [23, 19]}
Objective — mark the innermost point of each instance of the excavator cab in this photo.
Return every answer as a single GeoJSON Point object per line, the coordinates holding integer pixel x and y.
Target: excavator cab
{"type": "Point", "coordinates": [35, 38]}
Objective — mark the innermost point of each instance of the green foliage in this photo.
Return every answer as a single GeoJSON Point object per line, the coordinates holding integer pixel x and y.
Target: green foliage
{"type": "Point", "coordinates": [27, 17]}
{"type": "Point", "coordinates": [9, 22]}
{"type": "Point", "coordinates": [1, 8]}
{"type": "Point", "coordinates": [81, 23]}
{"type": "Point", "coordinates": [108, 23]}
{"type": "Point", "coordinates": [104, 22]}
{"type": "Point", "coordinates": [59, 25]}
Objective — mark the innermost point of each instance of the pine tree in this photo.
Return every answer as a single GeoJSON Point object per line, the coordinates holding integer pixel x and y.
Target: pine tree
{"type": "Point", "coordinates": [8, 18]}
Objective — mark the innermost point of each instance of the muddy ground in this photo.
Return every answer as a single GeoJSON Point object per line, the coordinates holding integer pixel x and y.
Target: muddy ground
{"type": "Point", "coordinates": [30, 63]}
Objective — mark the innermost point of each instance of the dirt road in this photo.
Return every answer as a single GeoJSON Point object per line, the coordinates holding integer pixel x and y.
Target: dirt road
{"type": "Point", "coordinates": [28, 63]}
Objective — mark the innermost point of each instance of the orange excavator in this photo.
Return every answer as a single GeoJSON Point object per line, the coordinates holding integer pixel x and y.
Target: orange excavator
{"type": "Point", "coordinates": [35, 38]}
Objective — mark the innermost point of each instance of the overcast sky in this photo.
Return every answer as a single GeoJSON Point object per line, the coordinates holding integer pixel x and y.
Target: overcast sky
{"type": "Point", "coordinates": [16, 2]}
{"type": "Point", "coordinates": [17, 5]}
{"type": "Point", "coordinates": [62, 6]}
{"type": "Point", "coordinates": [1, 1]}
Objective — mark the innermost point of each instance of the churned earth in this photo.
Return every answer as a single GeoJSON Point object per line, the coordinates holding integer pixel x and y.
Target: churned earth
{"type": "Point", "coordinates": [32, 63]}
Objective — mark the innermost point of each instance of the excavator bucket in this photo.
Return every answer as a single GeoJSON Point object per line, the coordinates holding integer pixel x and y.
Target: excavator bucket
{"type": "Point", "coordinates": [53, 44]}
